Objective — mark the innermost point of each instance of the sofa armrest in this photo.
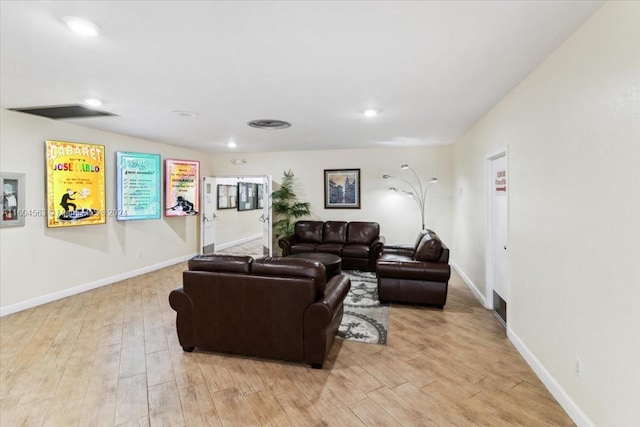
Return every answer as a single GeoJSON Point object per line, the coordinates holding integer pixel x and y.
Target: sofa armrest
{"type": "Point", "coordinates": [336, 291]}
{"type": "Point", "coordinates": [376, 248]}
{"type": "Point", "coordinates": [322, 319]}
{"type": "Point", "coordinates": [285, 244]}
{"type": "Point", "coordinates": [320, 313]}
{"type": "Point", "coordinates": [182, 304]}
{"type": "Point", "coordinates": [414, 270]}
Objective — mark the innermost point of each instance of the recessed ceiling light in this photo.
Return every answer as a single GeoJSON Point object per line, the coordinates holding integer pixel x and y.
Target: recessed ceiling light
{"type": "Point", "coordinates": [92, 102]}
{"type": "Point", "coordinates": [232, 144]}
{"type": "Point", "coordinates": [184, 113]}
{"type": "Point", "coordinates": [82, 26]}
{"type": "Point", "coordinates": [370, 112]}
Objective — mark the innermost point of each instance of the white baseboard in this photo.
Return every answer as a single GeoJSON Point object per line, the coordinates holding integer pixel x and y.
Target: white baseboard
{"type": "Point", "coordinates": [573, 410]}
{"type": "Point", "coordinates": [470, 284]}
{"type": "Point", "coordinates": [552, 385]}
{"type": "Point", "coordinates": [238, 242]}
{"type": "Point", "coordinates": [13, 308]}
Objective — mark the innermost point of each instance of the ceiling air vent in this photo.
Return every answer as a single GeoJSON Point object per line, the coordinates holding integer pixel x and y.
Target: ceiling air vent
{"type": "Point", "coordinates": [269, 124]}
{"type": "Point", "coordinates": [63, 112]}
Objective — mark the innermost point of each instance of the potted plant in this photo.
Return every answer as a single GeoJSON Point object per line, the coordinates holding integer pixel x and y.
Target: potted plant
{"type": "Point", "coordinates": [286, 207]}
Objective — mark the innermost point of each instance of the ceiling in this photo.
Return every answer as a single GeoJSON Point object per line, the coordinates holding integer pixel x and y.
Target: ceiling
{"type": "Point", "coordinates": [431, 68]}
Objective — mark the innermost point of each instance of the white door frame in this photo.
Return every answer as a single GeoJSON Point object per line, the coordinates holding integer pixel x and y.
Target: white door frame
{"type": "Point", "coordinates": [267, 220]}
{"type": "Point", "coordinates": [204, 212]}
{"type": "Point", "coordinates": [488, 258]}
{"type": "Point", "coordinates": [267, 229]}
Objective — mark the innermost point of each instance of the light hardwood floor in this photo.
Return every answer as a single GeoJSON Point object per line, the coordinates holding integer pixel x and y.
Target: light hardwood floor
{"type": "Point", "coordinates": [253, 248]}
{"type": "Point", "coordinates": [111, 357]}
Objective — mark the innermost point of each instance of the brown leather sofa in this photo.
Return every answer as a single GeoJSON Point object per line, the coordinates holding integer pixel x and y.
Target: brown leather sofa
{"type": "Point", "coordinates": [357, 243]}
{"type": "Point", "coordinates": [417, 273]}
{"type": "Point", "coordinates": [274, 308]}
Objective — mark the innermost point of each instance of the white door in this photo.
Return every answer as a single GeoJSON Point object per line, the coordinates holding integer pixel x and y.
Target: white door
{"type": "Point", "coordinates": [209, 206]}
{"type": "Point", "coordinates": [499, 234]}
{"type": "Point", "coordinates": [266, 217]}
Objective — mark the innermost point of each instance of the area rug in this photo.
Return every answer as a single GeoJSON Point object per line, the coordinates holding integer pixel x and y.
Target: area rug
{"type": "Point", "coordinates": [365, 319]}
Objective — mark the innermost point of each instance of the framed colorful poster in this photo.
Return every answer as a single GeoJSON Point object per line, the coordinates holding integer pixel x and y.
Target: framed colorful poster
{"type": "Point", "coordinates": [139, 180]}
{"type": "Point", "coordinates": [75, 184]}
{"type": "Point", "coordinates": [182, 194]}
{"type": "Point", "coordinates": [13, 212]}
{"type": "Point", "coordinates": [342, 188]}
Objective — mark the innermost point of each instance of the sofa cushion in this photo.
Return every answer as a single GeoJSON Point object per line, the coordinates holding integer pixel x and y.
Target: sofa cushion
{"type": "Point", "coordinates": [299, 248]}
{"type": "Point", "coordinates": [335, 232]}
{"type": "Point", "coordinates": [429, 249]}
{"type": "Point", "coordinates": [356, 251]}
{"type": "Point", "coordinates": [395, 257]}
{"type": "Point", "coordinates": [291, 267]}
{"type": "Point", "coordinates": [309, 231]}
{"type": "Point", "coordinates": [363, 233]}
{"type": "Point", "coordinates": [221, 263]}
{"type": "Point", "coordinates": [330, 248]}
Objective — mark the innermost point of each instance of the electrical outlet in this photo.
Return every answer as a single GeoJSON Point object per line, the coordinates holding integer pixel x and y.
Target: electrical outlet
{"type": "Point", "coordinates": [578, 368]}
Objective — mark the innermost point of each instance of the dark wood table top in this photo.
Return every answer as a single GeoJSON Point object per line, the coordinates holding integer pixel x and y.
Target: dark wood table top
{"type": "Point", "coordinates": [324, 258]}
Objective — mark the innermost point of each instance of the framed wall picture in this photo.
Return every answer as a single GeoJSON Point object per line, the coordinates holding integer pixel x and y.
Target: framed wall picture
{"type": "Point", "coordinates": [342, 188]}
{"type": "Point", "coordinates": [246, 196]}
{"type": "Point", "coordinates": [138, 190]}
{"type": "Point", "coordinates": [75, 184]}
{"type": "Point", "coordinates": [227, 196]}
{"type": "Point", "coordinates": [13, 193]}
{"type": "Point", "coordinates": [182, 193]}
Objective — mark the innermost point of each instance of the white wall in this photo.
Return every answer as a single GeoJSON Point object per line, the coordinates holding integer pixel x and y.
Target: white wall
{"type": "Point", "coordinates": [573, 133]}
{"type": "Point", "coordinates": [399, 217]}
{"type": "Point", "coordinates": [39, 263]}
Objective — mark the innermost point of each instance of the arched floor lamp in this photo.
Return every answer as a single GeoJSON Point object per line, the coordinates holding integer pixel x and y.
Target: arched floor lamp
{"type": "Point", "coordinates": [419, 193]}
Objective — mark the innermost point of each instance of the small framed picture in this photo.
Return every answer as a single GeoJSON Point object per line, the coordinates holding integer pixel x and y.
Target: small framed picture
{"type": "Point", "coordinates": [12, 199]}
{"type": "Point", "coordinates": [247, 196]}
{"type": "Point", "coordinates": [227, 196]}
{"type": "Point", "coordinates": [342, 188]}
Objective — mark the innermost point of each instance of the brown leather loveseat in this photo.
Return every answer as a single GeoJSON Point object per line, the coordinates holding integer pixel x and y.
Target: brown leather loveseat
{"type": "Point", "coordinates": [270, 307]}
{"type": "Point", "coordinates": [357, 243]}
{"type": "Point", "coordinates": [417, 273]}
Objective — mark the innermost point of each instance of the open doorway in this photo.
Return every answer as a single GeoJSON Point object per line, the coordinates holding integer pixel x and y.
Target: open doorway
{"type": "Point", "coordinates": [236, 215]}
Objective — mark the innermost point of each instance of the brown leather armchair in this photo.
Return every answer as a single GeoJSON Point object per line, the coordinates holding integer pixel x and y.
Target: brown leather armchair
{"type": "Point", "coordinates": [270, 307]}
{"type": "Point", "coordinates": [417, 273]}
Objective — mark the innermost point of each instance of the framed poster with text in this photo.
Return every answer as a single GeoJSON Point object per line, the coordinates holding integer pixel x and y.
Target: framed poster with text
{"type": "Point", "coordinates": [182, 194]}
{"type": "Point", "coordinates": [138, 191]}
{"type": "Point", "coordinates": [75, 184]}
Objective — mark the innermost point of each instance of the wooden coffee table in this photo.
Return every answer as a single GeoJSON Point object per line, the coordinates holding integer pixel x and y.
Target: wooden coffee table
{"type": "Point", "coordinates": [332, 263]}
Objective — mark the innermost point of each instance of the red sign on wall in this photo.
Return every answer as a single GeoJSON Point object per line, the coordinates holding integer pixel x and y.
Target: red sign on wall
{"type": "Point", "coordinates": [500, 182]}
